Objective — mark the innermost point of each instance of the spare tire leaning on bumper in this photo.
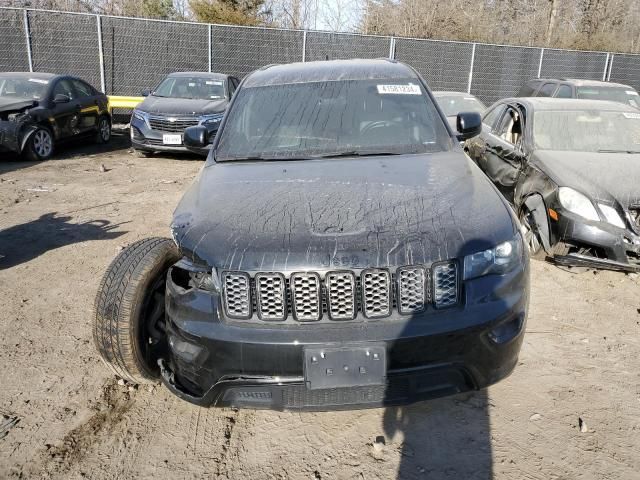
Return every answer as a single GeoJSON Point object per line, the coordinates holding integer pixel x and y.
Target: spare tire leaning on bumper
{"type": "Point", "coordinates": [129, 308]}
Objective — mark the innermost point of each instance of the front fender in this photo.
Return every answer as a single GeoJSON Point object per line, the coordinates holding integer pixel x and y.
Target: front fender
{"type": "Point", "coordinates": [15, 135]}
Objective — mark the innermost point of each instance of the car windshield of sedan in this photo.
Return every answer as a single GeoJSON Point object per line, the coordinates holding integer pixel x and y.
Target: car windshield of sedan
{"type": "Point", "coordinates": [587, 131]}
{"type": "Point", "coordinates": [452, 105]}
{"type": "Point", "coordinates": [194, 88]}
{"type": "Point", "coordinates": [614, 94]}
{"type": "Point", "coordinates": [332, 119]}
{"type": "Point", "coordinates": [23, 88]}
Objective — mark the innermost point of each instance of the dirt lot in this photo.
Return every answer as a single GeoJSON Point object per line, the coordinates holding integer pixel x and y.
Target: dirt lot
{"type": "Point", "coordinates": [64, 416]}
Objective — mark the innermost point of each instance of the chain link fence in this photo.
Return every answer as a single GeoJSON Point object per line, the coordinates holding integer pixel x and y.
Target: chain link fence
{"type": "Point", "coordinates": [126, 55]}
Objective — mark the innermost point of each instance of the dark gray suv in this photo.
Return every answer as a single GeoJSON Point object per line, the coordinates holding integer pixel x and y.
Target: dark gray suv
{"type": "Point", "coordinates": [583, 89]}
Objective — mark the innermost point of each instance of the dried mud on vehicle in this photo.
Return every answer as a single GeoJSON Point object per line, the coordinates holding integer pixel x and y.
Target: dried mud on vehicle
{"type": "Point", "coordinates": [578, 360]}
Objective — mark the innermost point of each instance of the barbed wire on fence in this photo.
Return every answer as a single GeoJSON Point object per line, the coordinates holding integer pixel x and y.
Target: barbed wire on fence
{"type": "Point", "coordinates": [125, 55]}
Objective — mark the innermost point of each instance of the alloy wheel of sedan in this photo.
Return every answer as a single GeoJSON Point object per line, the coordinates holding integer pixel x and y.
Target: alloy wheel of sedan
{"type": "Point", "coordinates": [531, 237]}
{"type": "Point", "coordinates": [104, 130]}
{"type": "Point", "coordinates": [43, 143]}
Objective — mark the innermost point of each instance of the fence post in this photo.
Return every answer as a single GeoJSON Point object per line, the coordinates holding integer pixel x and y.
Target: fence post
{"type": "Point", "coordinates": [610, 66]}
{"type": "Point", "coordinates": [304, 46]}
{"type": "Point", "coordinates": [101, 54]}
{"type": "Point", "coordinates": [473, 61]}
{"type": "Point", "coordinates": [392, 48]}
{"type": "Point", "coordinates": [27, 33]}
{"type": "Point", "coordinates": [606, 67]}
{"type": "Point", "coordinates": [209, 44]}
{"type": "Point", "coordinates": [540, 63]}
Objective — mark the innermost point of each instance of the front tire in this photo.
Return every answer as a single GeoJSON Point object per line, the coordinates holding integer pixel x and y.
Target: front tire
{"type": "Point", "coordinates": [531, 234]}
{"type": "Point", "coordinates": [128, 320]}
{"type": "Point", "coordinates": [103, 134]}
{"type": "Point", "coordinates": [39, 147]}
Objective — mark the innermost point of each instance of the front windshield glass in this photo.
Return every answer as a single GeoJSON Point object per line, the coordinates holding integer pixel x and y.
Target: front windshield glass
{"type": "Point", "coordinates": [453, 105]}
{"type": "Point", "coordinates": [198, 88]}
{"type": "Point", "coordinates": [332, 118]}
{"type": "Point", "coordinates": [614, 94]}
{"type": "Point", "coordinates": [587, 131]}
{"type": "Point", "coordinates": [23, 88]}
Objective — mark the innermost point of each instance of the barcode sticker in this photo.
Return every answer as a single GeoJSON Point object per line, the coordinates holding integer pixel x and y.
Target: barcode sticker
{"type": "Point", "coordinates": [399, 89]}
{"type": "Point", "coordinates": [631, 115]}
{"type": "Point", "coordinates": [631, 92]}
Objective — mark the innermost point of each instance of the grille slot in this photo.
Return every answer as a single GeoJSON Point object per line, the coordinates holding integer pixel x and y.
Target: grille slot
{"type": "Point", "coordinates": [445, 284]}
{"type": "Point", "coordinates": [305, 296]}
{"type": "Point", "coordinates": [376, 293]}
{"type": "Point", "coordinates": [341, 289]}
{"type": "Point", "coordinates": [412, 282]}
{"type": "Point", "coordinates": [271, 296]}
{"type": "Point", "coordinates": [237, 294]}
{"type": "Point", "coordinates": [163, 124]}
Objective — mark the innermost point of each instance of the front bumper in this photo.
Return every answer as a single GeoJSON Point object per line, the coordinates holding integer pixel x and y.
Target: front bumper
{"type": "Point", "coordinates": [10, 136]}
{"type": "Point", "coordinates": [213, 362]}
{"type": "Point", "coordinates": [145, 138]}
{"type": "Point", "coordinates": [618, 249]}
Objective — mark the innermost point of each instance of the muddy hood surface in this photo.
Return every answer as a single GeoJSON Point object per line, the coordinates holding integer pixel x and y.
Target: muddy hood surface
{"type": "Point", "coordinates": [182, 106]}
{"type": "Point", "coordinates": [339, 213]}
{"type": "Point", "coordinates": [602, 176]}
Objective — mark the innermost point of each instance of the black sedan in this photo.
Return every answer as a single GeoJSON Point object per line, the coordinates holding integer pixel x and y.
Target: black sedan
{"type": "Point", "coordinates": [39, 110]}
{"type": "Point", "coordinates": [181, 100]}
{"type": "Point", "coordinates": [571, 169]}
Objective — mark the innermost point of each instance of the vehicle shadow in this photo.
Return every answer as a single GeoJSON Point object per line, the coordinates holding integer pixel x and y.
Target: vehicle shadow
{"type": "Point", "coordinates": [24, 242]}
{"type": "Point", "coordinates": [446, 438]}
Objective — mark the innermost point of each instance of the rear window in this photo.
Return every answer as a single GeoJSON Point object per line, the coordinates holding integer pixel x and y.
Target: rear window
{"type": "Point", "coordinates": [614, 94]}
{"type": "Point", "coordinates": [529, 89]}
{"type": "Point", "coordinates": [547, 90]}
{"type": "Point", "coordinates": [332, 118]}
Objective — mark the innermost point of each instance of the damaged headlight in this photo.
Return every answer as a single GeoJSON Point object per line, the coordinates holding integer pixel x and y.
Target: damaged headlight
{"type": "Point", "coordinates": [577, 203]}
{"type": "Point", "coordinates": [188, 275]}
{"type": "Point", "coordinates": [612, 216]}
{"type": "Point", "coordinates": [499, 260]}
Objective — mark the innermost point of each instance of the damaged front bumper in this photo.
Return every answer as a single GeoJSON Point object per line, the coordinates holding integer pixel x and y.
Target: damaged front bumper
{"type": "Point", "coordinates": [597, 244]}
{"type": "Point", "coordinates": [10, 136]}
{"type": "Point", "coordinates": [261, 365]}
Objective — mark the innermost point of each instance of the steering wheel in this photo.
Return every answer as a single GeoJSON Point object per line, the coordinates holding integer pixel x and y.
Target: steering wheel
{"type": "Point", "coordinates": [373, 125]}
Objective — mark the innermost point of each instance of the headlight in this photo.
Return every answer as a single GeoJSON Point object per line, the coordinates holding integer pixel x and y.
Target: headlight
{"type": "Point", "coordinates": [211, 119]}
{"type": "Point", "coordinates": [499, 260]}
{"type": "Point", "coordinates": [140, 115]}
{"type": "Point", "coordinates": [577, 203]}
{"type": "Point", "coordinates": [611, 215]}
{"type": "Point", "coordinates": [198, 277]}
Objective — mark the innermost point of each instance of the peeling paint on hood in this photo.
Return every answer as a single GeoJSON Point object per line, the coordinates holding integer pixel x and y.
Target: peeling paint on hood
{"type": "Point", "coordinates": [340, 213]}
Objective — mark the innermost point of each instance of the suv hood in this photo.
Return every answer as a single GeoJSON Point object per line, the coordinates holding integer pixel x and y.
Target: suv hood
{"type": "Point", "coordinates": [339, 213]}
{"type": "Point", "coordinates": [182, 106]}
{"type": "Point", "coordinates": [602, 176]}
{"type": "Point", "coordinates": [13, 104]}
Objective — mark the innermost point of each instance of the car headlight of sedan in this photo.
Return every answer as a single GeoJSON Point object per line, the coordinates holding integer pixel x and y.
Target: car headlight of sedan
{"type": "Point", "coordinates": [211, 120]}
{"type": "Point", "coordinates": [498, 260]}
{"type": "Point", "coordinates": [612, 216]}
{"type": "Point", "coordinates": [577, 203]}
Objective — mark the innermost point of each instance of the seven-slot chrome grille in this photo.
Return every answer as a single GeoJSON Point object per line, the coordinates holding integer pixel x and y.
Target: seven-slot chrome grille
{"type": "Point", "coordinates": [171, 124]}
{"type": "Point", "coordinates": [340, 295]}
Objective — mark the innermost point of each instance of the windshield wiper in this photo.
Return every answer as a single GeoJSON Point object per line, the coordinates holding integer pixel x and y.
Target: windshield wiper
{"type": "Point", "coordinates": [359, 153]}
{"type": "Point", "coordinates": [618, 151]}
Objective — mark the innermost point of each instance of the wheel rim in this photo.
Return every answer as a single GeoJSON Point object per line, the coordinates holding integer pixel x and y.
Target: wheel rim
{"type": "Point", "coordinates": [152, 337]}
{"type": "Point", "coordinates": [105, 129]}
{"type": "Point", "coordinates": [530, 236]}
{"type": "Point", "coordinates": [42, 143]}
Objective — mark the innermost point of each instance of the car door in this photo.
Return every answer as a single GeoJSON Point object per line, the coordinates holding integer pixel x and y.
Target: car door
{"type": "Point", "coordinates": [64, 108]}
{"type": "Point", "coordinates": [87, 100]}
{"type": "Point", "coordinates": [502, 159]}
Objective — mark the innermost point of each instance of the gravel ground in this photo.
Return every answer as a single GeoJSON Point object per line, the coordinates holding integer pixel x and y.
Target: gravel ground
{"type": "Point", "coordinates": [571, 409]}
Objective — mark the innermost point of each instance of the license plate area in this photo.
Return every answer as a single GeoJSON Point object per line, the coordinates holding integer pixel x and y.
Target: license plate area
{"type": "Point", "coordinates": [351, 366]}
{"type": "Point", "coordinates": [172, 139]}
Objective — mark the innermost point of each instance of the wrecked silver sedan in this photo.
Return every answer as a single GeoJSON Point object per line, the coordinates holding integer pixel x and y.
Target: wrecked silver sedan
{"type": "Point", "coordinates": [40, 110]}
{"type": "Point", "coordinates": [571, 169]}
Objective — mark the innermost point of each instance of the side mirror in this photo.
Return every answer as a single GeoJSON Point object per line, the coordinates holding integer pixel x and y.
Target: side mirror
{"type": "Point", "coordinates": [146, 92]}
{"type": "Point", "coordinates": [469, 125]}
{"type": "Point", "coordinates": [196, 137]}
{"type": "Point", "coordinates": [60, 98]}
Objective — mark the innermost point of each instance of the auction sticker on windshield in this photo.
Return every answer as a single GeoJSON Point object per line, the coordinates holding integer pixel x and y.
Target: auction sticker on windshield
{"type": "Point", "coordinates": [172, 139]}
{"type": "Point", "coordinates": [399, 89]}
{"type": "Point", "coordinates": [631, 115]}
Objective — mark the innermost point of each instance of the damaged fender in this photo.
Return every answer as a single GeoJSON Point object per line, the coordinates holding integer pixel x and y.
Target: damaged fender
{"type": "Point", "coordinates": [535, 204]}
